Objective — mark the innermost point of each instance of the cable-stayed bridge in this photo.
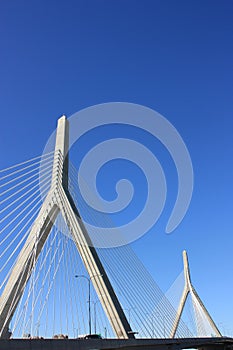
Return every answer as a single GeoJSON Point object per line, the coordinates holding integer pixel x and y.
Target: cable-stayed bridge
{"type": "Point", "coordinates": [56, 284]}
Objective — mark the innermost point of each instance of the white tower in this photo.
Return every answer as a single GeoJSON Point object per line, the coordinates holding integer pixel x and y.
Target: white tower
{"type": "Point", "coordinates": [58, 200]}
{"type": "Point", "coordinates": [188, 288]}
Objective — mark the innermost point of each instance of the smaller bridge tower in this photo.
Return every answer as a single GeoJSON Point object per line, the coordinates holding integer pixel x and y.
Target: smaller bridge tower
{"type": "Point", "coordinates": [188, 288]}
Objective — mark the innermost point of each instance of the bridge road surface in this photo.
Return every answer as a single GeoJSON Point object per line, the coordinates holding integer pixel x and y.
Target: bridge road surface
{"type": "Point", "coordinates": [220, 343]}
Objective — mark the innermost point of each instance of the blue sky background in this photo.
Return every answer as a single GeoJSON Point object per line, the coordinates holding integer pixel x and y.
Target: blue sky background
{"type": "Point", "coordinates": [173, 56]}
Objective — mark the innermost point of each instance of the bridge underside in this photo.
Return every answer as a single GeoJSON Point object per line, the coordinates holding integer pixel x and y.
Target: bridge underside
{"type": "Point", "coordinates": [123, 344]}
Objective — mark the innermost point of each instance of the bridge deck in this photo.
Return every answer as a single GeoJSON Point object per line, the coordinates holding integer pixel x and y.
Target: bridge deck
{"type": "Point", "coordinates": [222, 343]}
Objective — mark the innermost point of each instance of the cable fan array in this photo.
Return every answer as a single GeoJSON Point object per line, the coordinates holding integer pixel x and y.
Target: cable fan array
{"type": "Point", "coordinates": [21, 187]}
{"type": "Point", "coordinates": [148, 310]}
{"type": "Point", "coordinates": [55, 300]}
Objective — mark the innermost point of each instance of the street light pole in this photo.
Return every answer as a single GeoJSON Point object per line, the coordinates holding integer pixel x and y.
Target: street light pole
{"type": "Point", "coordinates": [89, 298]}
{"type": "Point", "coordinates": [89, 295]}
{"type": "Point", "coordinates": [89, 303]}
{"type": "Point", "coordinates": [94, 303]}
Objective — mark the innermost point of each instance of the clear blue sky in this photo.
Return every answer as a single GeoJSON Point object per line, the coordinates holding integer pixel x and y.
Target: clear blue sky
{"type": "Point", "coordinates": [173, 56]}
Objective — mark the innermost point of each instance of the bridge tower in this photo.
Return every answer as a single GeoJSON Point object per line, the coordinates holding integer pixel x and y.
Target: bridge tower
{"type": "Point", "coordinates": [188, 288]}
{"type": "Point", "coordinates": [58, 200]}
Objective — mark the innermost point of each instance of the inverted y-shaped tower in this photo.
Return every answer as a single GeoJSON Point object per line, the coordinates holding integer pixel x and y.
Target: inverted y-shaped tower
{"type": "Point", "coordinates": [58, 200]}
{"type": "Point", "coordinates": [188, 288]}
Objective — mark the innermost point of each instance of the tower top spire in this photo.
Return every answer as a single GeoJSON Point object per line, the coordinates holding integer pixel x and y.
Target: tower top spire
{"type": "Point", "coordinates": [186, 270]}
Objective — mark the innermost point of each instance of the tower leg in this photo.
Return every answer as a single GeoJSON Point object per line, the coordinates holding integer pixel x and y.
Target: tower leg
{"type": "Point", "coordinates": [209, 318]}
{"type": "Point", "coordinates": [25, 263]}
{"type": "Point", "coordinates": [179, 312]}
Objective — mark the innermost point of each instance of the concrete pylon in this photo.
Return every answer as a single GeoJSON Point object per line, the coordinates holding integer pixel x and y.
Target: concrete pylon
{"type": "Point", "coordinates": [188, 288]}
{"type": "Point", "coordinates": [58, 200]}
